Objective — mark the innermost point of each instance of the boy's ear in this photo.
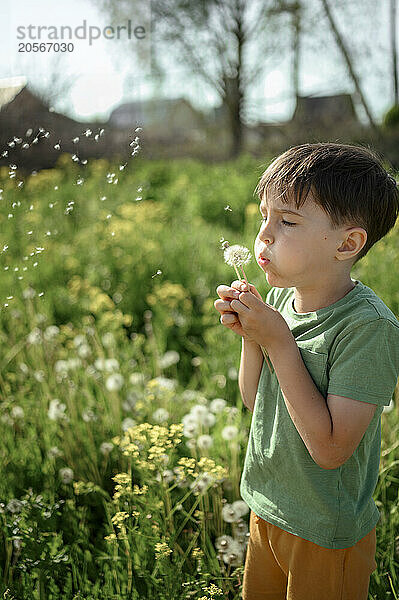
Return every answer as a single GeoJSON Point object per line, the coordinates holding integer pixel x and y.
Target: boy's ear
{"type": "Point", "coordinates": [355, 239]}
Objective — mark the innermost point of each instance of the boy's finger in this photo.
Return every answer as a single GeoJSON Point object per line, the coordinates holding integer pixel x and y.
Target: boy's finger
{"type": "Point", "coordinates": [226, 292]}
{"type": "Point", "coordinates": [222, 306]}
{"type": "Point", "coordinates": [228, 318]}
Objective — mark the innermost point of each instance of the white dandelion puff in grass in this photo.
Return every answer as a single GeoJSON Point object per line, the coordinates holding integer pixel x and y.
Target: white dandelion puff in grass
{"type": "Point", "coordinates": [66, 475]}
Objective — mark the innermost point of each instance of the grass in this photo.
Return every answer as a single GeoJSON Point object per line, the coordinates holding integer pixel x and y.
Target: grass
{"type": "Point", "coordinates": [124, 433]}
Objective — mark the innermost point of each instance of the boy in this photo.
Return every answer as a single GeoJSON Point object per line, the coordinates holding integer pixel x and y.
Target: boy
{"type": "Point", "coordinates": [313, 453]}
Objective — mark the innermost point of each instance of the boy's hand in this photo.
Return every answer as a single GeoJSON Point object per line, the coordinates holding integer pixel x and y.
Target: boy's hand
{"type": "Point", "coordinates": [245, 313]}
{"type": "Point", "coordinates": [259, 321]}
{"type": "Point", "coordinates": [229, 318]}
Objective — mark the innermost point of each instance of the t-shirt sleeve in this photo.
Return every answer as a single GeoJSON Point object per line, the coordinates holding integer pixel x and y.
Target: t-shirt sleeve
{"type": "Point", "coordinates": [364, 364]}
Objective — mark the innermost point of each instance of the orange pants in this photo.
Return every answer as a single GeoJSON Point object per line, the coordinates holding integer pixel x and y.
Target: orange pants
{"type": "Point", "coordinates": [283, 566]}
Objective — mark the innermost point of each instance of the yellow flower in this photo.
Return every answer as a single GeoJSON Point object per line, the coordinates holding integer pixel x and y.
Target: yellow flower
{"type": "Point", "coordinates": [162, 549]}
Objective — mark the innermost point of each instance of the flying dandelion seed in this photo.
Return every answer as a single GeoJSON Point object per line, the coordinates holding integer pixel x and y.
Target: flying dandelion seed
{"type": "Point", "coordinates": [159, 272]}
{"type": "Point", "coordinates": [29, 132]}
{"type": "Point", "coordinates": [80, 181]}
{"type": "Point", "coordinates": [138, 129]}
{"type": "Point", "coordinates": [75, 140]}
{"type": "Point", "coordinates": [103, 198]}
{"type": "Point", "coordinates": [25, 146]}
{"type": "Point", "coordinates": [84, 162]}
{"type": "Point", "coordinates": [57, 146]}
{"type": "Point", "coordinates": [139, 189]}
{"type": "Point", "coordinates": [228, 208]}
{"type": "Point", "coordinates": [87, 132]}
{"type": "Point", "coordinates": [139, 198]}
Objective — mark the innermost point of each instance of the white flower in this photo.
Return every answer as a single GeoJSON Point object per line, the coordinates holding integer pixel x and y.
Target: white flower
{"type": "Point", "coordinates": [230, 514]}
{"type": "Point", "coordinates": [130, 402]}
{"type": "Point", "coordinates": [114, 382]}
{"type": "Point", "coordinates": [88, 415]}
{"type": "Point", "coordinates": [168, 476]}
{"type": "Point", "coordinates": [61, 366]}
{"type": "Point", "coordinates": [34, 337]}
{"type": "Point", "coordinates": [165, 383]}
{"type": "Point", "coordinates": [51, 332]}
{"type": "Point", "coordinates": [202, 483]}
{"type": "Point", "coordinates": [17, 412]}
{"type": "Point", "coordinates": [56, 410]}
{"type": "Point", "coordinates": [168, 359]}
{"type": "Point", "coordinates": [136, 378]}
{"type": "Point", "coordinates": [229, 432]}
{"type": "Point", "coordinates": [232, 373]}
{"type": "Point", "coordinates": [235, 555]}
{"type": "Point", "coordinates": [241, 507]}
{"type": "Point", "coordinates": [84, 350]}
{"type": "Point", "coordinates": [217, 405]}
{"type": "Point", "coordinates": [111, 364]}
{"type": "Point", "coordinates": [53, 452]}
{"type": "Point", "coordinates": [14, 505]}
{"type": "Point", "coordinates": [106, 448]}
{"type": "Point", "coordinates": [160, 415]}
{"type": "Point", "coordinates": [199, 413]}
{"type": "Point", "coordinates": [209, 420]}
{"type": "Point", "coordinates": [66, 475]}
{"type": "Point", "coordinates": [78, 340]}
{"type": "Point", "coordinates": [24, 368]}
{"type": "Point", "coordinates": [237, 255]}
{"type": "Point", "coordinates": [99, 364]}
{"type": "Point", "coordinates": [224, 542]}
{"type": "Point", "coordinates": [204, 442]}
{"type": "Point", "coordinates": [389, 408]}
{"type": "Point", "coordinates": [108, 339]}
{"type": "Point", "coordinates": [128, 423]}
{"type": "Point", "coordinates": [73, 363]}
{"type": "Point", "coordinates": [190, 395]}
{"type": "Point", "coordinates": [39, 375]}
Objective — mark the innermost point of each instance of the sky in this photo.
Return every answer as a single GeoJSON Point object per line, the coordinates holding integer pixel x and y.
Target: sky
{"type": "Point", "coordinates": [104, 74]}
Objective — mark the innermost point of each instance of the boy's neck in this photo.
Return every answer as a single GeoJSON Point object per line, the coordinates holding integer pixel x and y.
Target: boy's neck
{"type": "Point", "coordinates": [314, 299]}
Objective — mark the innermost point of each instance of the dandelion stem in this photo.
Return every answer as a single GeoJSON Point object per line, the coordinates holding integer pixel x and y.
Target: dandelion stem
{"type": "Point", "coordinates": [245, 277]}
{"type": "Point", "coordinates": [238, 273]}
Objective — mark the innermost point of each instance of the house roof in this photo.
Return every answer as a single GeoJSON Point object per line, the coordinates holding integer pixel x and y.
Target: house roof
{"type": "Point", "coordinates": [9, 88]}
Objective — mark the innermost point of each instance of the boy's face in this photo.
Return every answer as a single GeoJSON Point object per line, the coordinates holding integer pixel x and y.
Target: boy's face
{"type": "Point", "coordinates": [301, 249]}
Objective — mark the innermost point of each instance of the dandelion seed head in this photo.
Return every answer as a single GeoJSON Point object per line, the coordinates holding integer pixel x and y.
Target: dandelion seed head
{"type": "Point", "coordinates": [237, 255]}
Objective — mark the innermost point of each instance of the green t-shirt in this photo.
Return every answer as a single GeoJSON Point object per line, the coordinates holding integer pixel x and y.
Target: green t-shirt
{"type": "Point", "coordinates": [351, 349]}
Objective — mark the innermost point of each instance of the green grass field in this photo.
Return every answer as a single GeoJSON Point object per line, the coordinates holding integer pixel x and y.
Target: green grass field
{"type": "Point", "coordinates": [123, 430]}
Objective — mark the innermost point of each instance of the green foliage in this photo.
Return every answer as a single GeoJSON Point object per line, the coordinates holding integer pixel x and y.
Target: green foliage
{"type": "Point", "coordinates": [84, 374]}
{"type": "Point", "coordinates": [391, 118]}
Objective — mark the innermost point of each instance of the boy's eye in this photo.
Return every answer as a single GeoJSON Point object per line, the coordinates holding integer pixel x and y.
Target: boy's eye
{"type": "Point", "coordinates": [263, 219]}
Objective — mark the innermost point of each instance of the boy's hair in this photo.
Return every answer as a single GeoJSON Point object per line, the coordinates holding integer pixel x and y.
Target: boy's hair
{"type": "Point", "coordinates": [348, 182]}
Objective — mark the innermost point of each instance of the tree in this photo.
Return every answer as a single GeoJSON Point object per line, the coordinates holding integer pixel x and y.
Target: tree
{"type": "Point", "coordinates": [227, 43]}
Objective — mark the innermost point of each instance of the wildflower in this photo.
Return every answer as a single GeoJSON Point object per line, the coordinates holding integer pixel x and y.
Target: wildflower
{"type": "Point", "coordinates": [114, 382]}
{"type": "Point", "coordinates": [237, 256]}
{"type": "Point", "coordinates": [34, 337]}
{"type": "Point", "coordinates": [17, 412]}
{"type": "Point", "coordinates": [84, 351]}
{"type": "Point", "coordinates": [224, 543]}
{"type": "Point", "coordinates": [136, 378]}
{"type": "Point", "coordinates": [217, 405]}
{"type": "Point", "coordinates": [229, 432]}
{"type": "Point", "coordinates": [111, 364]}
{"type": "Point", "coordinates": [241, 507]}
{"type": "Point", "coordinates": [160, 415]}
{"type": "Point", "coordinates": [53, 452]}
{"type": "Point", "coordinates": [56, 411]}
{"type": "Point", "coordinates": [51, 332]}
{"type": "Point", "coordinates": [108, 339]}
{"type": "Point", "coordinates": [230, 514]}
{"type": "Point", "coordinates": [234, 556]}
{"type": "Point", "coordinates": [131, 400]}
{"type": "Point", "coordinates": [66, 475]}
{"type": "Point", "coordinates": [106, 448]}
{"type": "Point", "coordinates": [88, 415]}
{"type": "Point", "coordinates": [79, 340]}
{"type": "Point", "coordinates": [164, 383]}
{"type": "Point", "coordinates": [168, 359]}
{"type": "Point", "coordinates": [61, 366]}
{"type": "Point", "coordinates": [232, 373]}
{"type": "Point", "coordinates": [162, 549]}
{"type": "Point", "coordinates": [14, 505]}
{"type": "Point", "coordinates": [128, 423]}
{"type": "Point", "coordinates": [204, 442]}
